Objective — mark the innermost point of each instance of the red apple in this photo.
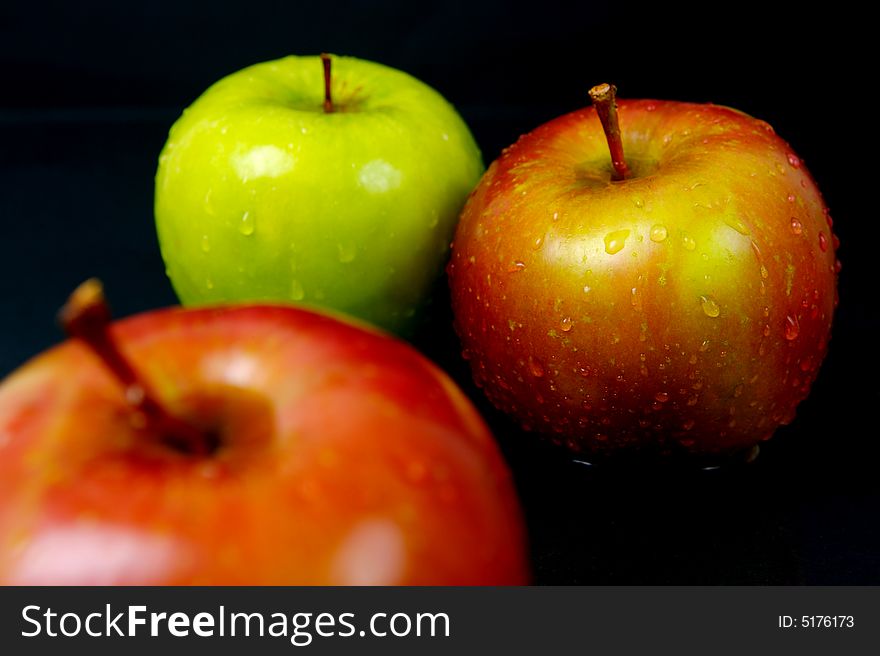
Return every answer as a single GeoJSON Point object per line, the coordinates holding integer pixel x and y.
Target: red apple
{"type": "Point", "coordinates": [677, 300]}
{"type": "Point", "coordinates": [246, 445]}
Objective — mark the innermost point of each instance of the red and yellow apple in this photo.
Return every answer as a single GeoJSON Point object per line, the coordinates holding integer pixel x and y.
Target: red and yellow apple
{"type": "Point", "coordinates": [247, 445]}
{"type": "Point", "coordinates": [677, 300]}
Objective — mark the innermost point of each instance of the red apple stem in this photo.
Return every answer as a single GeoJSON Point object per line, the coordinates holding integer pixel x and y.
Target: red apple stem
{"type": "Point", "coordinates": [604, 97]}
{"type": "Point", "coordinates": [328, 98]}
{"type": "Point", "coordinates": [86, 316]}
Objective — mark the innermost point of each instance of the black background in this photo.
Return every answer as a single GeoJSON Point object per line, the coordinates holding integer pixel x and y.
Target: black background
{"type": "Point", "coordinates": [88, 91]}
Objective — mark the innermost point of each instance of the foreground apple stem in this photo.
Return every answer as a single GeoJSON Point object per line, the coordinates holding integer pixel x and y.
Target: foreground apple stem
{"type": "Point", "coordinates": [328, 98]}
{"type": "Point", "coordinates": [604, 97]}
{"type": "Point", "coordinates": [86, 316]}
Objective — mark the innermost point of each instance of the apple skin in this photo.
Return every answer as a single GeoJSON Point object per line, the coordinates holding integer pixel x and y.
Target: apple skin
{"type": "Point", "coordinates": [345, 458]}
{"type": "Point", "coordinates": [261, 195]}
{"type": "Point", "coordinates": [683, 311]}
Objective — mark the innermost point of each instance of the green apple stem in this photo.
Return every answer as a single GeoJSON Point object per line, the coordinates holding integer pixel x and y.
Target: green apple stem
{"type": "Point", "coordinates": [328, 98]}
{"type": "Point", "coordinates": [86, 316]}
{"type": "Point", "coordinates": [604, 97]}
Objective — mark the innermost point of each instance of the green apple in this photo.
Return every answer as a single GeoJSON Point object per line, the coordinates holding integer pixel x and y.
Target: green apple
{"type": "Point", "coordinates": [283, 182]}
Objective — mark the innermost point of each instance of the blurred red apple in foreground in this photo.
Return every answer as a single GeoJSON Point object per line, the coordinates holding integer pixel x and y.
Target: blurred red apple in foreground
{"type": "Point", "coordinates": [249, 445]}
{"type": "Point", "coordinates": [677, 300]}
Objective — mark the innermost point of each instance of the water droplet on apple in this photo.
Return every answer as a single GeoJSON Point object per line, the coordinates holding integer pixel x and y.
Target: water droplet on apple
{"type": "Point", "coordinates": [659, 233]}
{"type": "Point", "coordinates": [828, 218]}
{"type": "Point", "coordinates": [539, 241]}
{"type": "Point", "coordinates": [555, 216]}
{"type": "Point", "coordinates": [796, 226]}
{"type": "Point", "coordinates": [209, 205]}
{"type": "Point", "coordinates": [792, 328]}
{"type": "Point", "coordinates": [297, 293]}
{"type": "Point", "coordinates": [823, 242]}
{"type": "Point", "coordinates": [206, 244]}
{"type": "Point", "coordinates": [737, 224]}
{"type": "Point", "coordinates": [587, 289]}
{"type": "Point", "coordinates": [791, 198]}
{"type": "Point", "coordinates": [247, 225]}
{"type": "Point", "coordinates": [838, 265]}
{"type": "Point", "coordinates": [566, 324]}
{"type": "Point", "coordinates": [766, 330]}
{"type": "Point", "coordinates": [661, 397]}
{"type": "Point", "coordinates": [347, 252]}
{"type": "Point", "coordinates": [710, 307]}
{"type": "Point", "coordinates": [615, 241]}
{"type": "Point", "coordinates": [516, 267]}
{"type": "Point", "coordinates": [794, 160]}
{"type": "Point", "coordinates": [635, 298]}
{"type": "Point", "coordinates": [704, 346]}
{"type": "Point", "coordinates": [689, 242]}
{"type": "Point", "coordinates": [535, 368]}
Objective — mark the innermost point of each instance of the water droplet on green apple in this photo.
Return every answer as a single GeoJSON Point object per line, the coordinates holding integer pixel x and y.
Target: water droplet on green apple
{"type": "Point", "coordinates": [659, 233]}
{"type": "Point", "coordinates": [297, 293]}
{"type": "Point", "coordinates": [247, 225]}
{"type": "Point", "coordinates": [710, 306]}
{"type": "Point", "coordinates": [346, 252]}
{"type": "Point", "coordinates": [689, 242]}
{"type": "Point", "coordinates": [209, 205]}
{"type": "Point", "coordinates": [615, 241]}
